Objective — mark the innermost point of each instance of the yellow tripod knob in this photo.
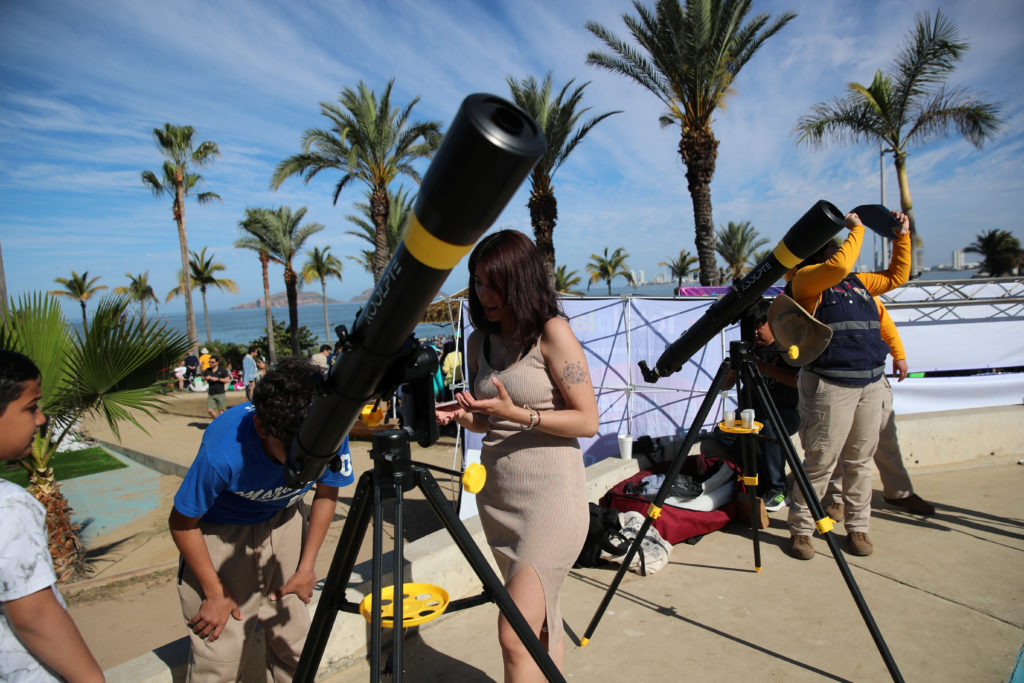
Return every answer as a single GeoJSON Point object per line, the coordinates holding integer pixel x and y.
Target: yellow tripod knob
{"type": "Point", "coordinates": [372, 415]}
{"type": "Point", "coordinates": [474, 477]}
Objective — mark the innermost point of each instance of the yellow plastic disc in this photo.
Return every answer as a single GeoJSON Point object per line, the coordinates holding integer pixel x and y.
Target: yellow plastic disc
{"type": "Point", "coordinates": [474, 477]}
{"type": "Point", "coordinates": [421, 602]}
{"type": "Point", "coordinates": [737, 427]}
{"type": "Point", "coordinates": [372, 417]}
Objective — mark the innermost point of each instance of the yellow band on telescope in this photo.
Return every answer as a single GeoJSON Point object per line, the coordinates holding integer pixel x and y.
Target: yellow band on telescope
{"type": "Point", "coordinates": [431, 251]}
{"type": "Point", "coordinates": [785, 256]}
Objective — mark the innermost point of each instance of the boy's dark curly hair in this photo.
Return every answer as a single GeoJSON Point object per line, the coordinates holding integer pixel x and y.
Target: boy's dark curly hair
{"type": "Point", "coordinates": [283, 396]}
{"type": "Point", "coordinates": [15, 370]}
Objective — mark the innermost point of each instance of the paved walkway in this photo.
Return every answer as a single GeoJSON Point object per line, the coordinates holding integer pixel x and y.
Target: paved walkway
{"type": "Point", "coordinates": [946, 592]}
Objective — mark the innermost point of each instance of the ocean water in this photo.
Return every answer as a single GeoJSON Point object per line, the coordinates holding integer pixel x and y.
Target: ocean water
{"type": "Point", "coordinates": [242, 326]}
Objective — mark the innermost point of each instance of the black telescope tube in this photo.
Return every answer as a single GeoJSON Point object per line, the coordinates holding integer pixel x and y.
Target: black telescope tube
{"type": "Point", "coordinates": [821, 222]}
{"type": "Point", "coordinates": [489, 149]}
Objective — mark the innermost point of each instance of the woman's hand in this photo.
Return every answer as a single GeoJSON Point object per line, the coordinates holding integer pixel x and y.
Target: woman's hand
{"type": "Point", "coordinates": [501, 405]}
{"type": "Point", "coordinates": [852, 220]}
{"type": "Point", "coordinates": [448, 412]}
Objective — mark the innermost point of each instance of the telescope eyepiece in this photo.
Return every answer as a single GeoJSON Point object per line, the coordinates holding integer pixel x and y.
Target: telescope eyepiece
{"type": "Point", "coordinates": [508, 120]}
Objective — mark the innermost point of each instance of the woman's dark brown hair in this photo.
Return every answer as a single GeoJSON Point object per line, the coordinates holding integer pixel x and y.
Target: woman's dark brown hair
{"type": "Point", "coordinates": [515, 268]}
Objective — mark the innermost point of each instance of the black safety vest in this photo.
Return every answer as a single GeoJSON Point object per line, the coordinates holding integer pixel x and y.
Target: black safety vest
{"type": "Point", "coordinates": [856, 354]}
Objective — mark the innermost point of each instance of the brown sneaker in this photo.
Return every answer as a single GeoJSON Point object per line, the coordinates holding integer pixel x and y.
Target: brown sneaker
{"type": "Point", "coordinates": [913, 504]}
{"type": "Point", "coordinates": [802, 548]}
{"type": "Point", "coordinates": [858, 543]}
{"type": "Point", "coordinates": [835, 511]}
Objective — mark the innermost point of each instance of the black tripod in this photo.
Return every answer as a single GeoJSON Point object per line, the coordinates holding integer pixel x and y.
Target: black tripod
{"type": "Point", "coordinates": [752, 385]}
{"type": "Point", "coordinates": [393, 473]}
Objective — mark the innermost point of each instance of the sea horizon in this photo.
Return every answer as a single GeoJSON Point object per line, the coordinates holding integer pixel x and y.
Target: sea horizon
{"type": "Point", "coordinates": [244, 325]}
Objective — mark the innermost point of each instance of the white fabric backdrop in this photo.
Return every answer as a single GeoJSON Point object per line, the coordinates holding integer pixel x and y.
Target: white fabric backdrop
{"type": "Point", "coordinates": [617, 333]}
{"type": "Point", "coordinates": [959, 336]}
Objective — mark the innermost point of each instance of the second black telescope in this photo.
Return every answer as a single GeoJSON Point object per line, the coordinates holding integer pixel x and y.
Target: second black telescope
{"type": "Point", "coordinates": [821, 222]}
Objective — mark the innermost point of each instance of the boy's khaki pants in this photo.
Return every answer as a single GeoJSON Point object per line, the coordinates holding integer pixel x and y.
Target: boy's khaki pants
{"type": "Point", "coordinates": [253, 561]}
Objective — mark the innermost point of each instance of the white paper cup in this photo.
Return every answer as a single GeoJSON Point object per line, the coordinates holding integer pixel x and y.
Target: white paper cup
{"type": "Point", "coordinates": [748, 418]}
{"type": "Point", "coordinates": [729, 417]}
{"type": "Point", "coordinates": [625, 446]}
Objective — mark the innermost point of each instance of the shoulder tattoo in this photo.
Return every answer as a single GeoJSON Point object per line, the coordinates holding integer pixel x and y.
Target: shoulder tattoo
{"type": "Point", "coordinates": [573, 373]}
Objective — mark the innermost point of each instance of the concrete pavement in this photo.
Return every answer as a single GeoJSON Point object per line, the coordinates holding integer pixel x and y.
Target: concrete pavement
{"type": "Point", "coordinates": [945, 591]}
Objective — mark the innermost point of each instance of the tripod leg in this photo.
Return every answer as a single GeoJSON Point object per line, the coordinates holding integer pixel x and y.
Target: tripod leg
{"type": "Point", "coordinates": [377, 580]}
{"type": "Point", "coordinates": [398, 593]}
{"type": "Point", "coordinates": [655, 509]}
{"type": "Point", "coordinates": [749, 478]}
{"type": "Point", "coordinates": [337, 579]}
{"type": "Point", "coordinates": [823, 522]}
{"type": "Point", "coordinates": [492, 584]}
{"type": "Point", "coordinates": [751, 483]}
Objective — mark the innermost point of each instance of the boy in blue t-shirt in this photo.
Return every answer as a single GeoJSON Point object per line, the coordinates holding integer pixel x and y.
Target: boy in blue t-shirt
{"type": "Point", "coordinates": [248, 543]}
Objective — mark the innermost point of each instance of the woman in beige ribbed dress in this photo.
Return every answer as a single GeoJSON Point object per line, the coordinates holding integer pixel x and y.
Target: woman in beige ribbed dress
{"type": "Point", "coordinates": [532, 397]}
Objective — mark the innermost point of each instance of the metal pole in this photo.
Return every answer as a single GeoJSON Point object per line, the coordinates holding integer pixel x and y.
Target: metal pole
{"type": "Point", "coordinates": [884, 250]}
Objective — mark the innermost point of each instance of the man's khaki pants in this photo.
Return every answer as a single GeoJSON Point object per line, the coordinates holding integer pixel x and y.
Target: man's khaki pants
{"type": "Point", "coordinates": [888, 459]}
{"type": "Point", "coordinates": [253, 561]}
{"type": "Point", "coordinates": [838, 426]}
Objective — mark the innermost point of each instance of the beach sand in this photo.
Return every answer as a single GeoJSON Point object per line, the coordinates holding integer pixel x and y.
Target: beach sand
{"type": "Point", "coordinates": [129, 604]}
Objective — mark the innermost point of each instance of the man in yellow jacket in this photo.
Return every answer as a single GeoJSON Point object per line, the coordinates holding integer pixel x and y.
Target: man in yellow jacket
{"type": "Point", "coordinates": [842, 391]}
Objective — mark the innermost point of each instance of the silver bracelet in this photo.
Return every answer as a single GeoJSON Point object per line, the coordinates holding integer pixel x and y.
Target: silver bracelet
{"type": "Point", "coordinates": [534, 418]}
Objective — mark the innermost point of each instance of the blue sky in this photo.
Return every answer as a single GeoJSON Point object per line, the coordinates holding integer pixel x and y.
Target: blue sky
{"type": "Point", "coordinates": [82, 85]}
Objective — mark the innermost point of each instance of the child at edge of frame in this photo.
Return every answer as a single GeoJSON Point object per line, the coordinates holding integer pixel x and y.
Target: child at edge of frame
{"type": "Point", "coordinates": [38, 639]}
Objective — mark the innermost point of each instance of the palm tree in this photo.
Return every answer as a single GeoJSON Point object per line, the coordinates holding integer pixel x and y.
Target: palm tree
{"type": "Point", "coordinates": [680, 267]}
{"type": "Point", "coordinates": [1000, 250]}
{"type": "Point", "coordinates": [320, 266]}
{"type": "Point", "coordinates": [689, 57]}
{"type": "Point", "coordinates": [737, 243]}
{"type": "Point", "coordinates": [202, 274]}
{"type": "Point", "coordinates": [175, 143]}
{"type": "Point", "coordinates": [3, 283]}
{"type": "Point", "coordinates": [367, 141]}
{"type": "Point", "coordinates": [605, 267]}
{"type": "Point", "coordinates": [80, 288]}
{"type": "Point", "coordinates": [399, 210]}
{"type": "Point", "coordinates": [908, 106]}
{"type": "Point", "coordinates": [78, 376]}
{"type": "Point", "coordinates": [280, 231]}
{"type": "Point", "coordinates": [565, 282]}
{"type": "Point", "coordinates": [256, 239]}
{"type": "Point", "coordinates": [138, 290]}
{"type": "Point", "coordinates": [557, 117]}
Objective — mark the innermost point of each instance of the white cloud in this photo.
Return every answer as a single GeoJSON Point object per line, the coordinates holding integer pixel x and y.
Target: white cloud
{"type": "Point", "coordinates": [85, 84]}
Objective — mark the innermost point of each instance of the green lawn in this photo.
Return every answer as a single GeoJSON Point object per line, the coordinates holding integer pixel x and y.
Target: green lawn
{"type": "Point", "coordinates": [67, 465]}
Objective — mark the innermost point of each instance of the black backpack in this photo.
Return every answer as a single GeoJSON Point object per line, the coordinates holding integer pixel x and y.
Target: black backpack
{"type": "Point", "coordinates": [603, 535]}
